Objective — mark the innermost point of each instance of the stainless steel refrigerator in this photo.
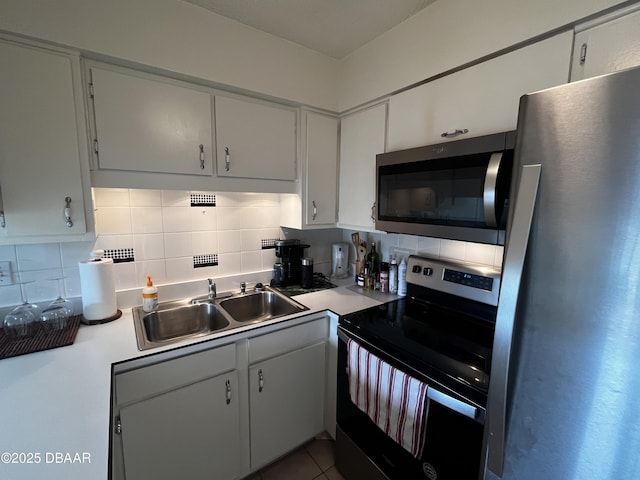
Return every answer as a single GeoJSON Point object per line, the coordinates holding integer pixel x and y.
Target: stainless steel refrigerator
{"type": "Point", "coordinates": [564, 400]}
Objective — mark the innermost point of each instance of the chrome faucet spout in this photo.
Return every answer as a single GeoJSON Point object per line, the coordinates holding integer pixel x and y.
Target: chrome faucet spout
{"type": "Point", "coordinates": [212, 289]}
{"type": "Point", "coordinates": [243, 287]}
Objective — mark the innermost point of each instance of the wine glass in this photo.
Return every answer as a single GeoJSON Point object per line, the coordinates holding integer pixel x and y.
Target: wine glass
{"type": "Point", "coordinates": [22, 321]}
{"type": "Point", "coordinates": [56, 315]}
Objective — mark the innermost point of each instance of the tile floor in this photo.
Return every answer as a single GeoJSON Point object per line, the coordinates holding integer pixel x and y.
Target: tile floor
{"type": "Point", "coordinates": [313, 461]}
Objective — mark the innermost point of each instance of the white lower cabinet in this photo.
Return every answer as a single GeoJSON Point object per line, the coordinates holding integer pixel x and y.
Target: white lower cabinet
{"type": "Point", "coordinates": [199, 416]}
{"type": "Point", "coordinates": [286, 398]}
{"type": "Point", "coordinates": [188, 433]}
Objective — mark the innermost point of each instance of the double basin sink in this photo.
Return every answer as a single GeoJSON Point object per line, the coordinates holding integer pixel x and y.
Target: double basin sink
{"type": "Point", "coordinates": [184, 319]}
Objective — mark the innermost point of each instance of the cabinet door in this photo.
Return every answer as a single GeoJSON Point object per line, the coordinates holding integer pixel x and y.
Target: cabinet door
{"type": "Point", "coordinates": [151, 126]}
{"type": "Point", "coordinates": [321, 174]}
{"type": "Point", "coordinates": [255, 140]}
{"type": "Point", "coordinates": [189, 433]}
{"type": "Point", "coordinates": [482, 99]}
{"type": "Point", "coordinates": [41, 142]}
{"type": "Point", "coordinates": [607, 47]}
{"type": "Point", "coordinates": [286, 401]}
{"type": "Point", "coordinates": [362, 137]}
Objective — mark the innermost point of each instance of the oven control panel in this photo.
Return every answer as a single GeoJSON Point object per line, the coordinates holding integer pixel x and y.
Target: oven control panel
{"type": "Point", "coordinates": [468, 280]}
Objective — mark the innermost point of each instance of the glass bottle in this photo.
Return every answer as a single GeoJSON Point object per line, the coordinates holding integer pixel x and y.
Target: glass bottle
{"type": "Point", "coordinates": [373, 258]}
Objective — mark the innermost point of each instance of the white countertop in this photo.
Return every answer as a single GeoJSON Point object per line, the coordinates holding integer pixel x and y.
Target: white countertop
{"type": "Point", "coordinates": [55, 404]}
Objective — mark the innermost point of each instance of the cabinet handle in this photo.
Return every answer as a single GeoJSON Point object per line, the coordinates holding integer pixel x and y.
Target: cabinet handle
{"type": "Point", "coordinates": [201, 157]}
{"type": "Point", "coordinates": [228, 384]}
{"type": "Point", "coordinates": [583, 54]}
{"type": "Point", "coordinates": [67, 212]}
{"type": "Point", "coordinates": [373, 212]}
{"type": "Point", "coordinates": [227, 159]}
{"type": "Point", "coordinates": [260, 381]}
{"type": "Point", "coordinates": [315, 210]}
{"type": "Point", "coordinates": [455, 133]}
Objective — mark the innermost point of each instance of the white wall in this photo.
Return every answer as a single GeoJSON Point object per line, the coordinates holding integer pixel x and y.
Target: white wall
{"type": "Point", "coordinates": [180, 37]}
{"type": "Point", "coordinates": [446, 34]}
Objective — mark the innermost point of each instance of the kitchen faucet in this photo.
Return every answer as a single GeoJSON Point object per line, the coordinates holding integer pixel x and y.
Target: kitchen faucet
{"type": "Point", "coordinates": [212, 289]}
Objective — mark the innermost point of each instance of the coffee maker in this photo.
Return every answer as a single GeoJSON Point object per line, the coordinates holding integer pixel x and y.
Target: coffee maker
{"type": "Point", "coordinates": [287, 270]}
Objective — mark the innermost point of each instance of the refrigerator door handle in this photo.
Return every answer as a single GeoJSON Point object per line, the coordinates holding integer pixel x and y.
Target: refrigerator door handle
{"type": "Point", "coordinates": [506, 314]}
{"type": "Point", "coordinates": [489, 196]}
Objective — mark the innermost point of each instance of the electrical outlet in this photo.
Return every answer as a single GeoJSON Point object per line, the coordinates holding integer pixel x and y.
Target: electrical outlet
{"type": "Point", "coordinates": [5, 273]}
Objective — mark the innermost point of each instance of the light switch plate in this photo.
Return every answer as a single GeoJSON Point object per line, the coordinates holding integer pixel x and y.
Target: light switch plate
{"type": "Point", "coordinates": [5, 273]}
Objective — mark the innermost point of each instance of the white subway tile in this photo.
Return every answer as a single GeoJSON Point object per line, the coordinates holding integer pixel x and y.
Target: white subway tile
{"type": "Point", "coordinates": [38, 257]}
{"type": "Point", "coordinates": [149, 246]}
{"type": "Point", "coordinates": [251, 261]}
{"type": "Point", "coordinates": [8, 253]}
{"type": "Point", "coordinates": [72, 282]}
{"type": "Point", "coordinates": [176, 198]}
{"type": "Point", "coordinates": [146, 220]}
{"type": "Point", "coordinates": [428, 246]}
{"type": "Point", "coordinates": [203, 218]}
{"type": "Point", "coordinates": [231, 199]}
{"type": "Point", "coordinates": [10, 295]}
{"type": "Point", "coordinates": [452, 249]}
{"type": "Point", "coordinates": [180, 269]}
{"type": "Point", "coordinates": [42, 284]}
{"type": "Point", "coordinates": [229, 263]}
{"type": "Point", "coordinates": [125, 275]}
{"type": "Point", "coordinates": [177, 245]}
{"type": "Point", "coordinates": [204, 243]}
{"type": "Point", "coordinates": [74, 252]}
{"type": "Point", "coordinates": [269, 217]}
{"type": "Point", "coordinates": [111, 197]}
{"type": "Point", "coordinates": [113, 220]}
{"type": "Point", "coordinates": [109, 242]}
{"type": "Point", "coordinates": [252, 239]}
{"type": "Point", "coordinates": [230, 241]}
{"type": "Point", "coordinates": [230, 218]}
{"type": "Point", "coordinates": [145, 198]}
{"type": "Point", "coordinates": [156, 268]}
{"type": "Point", "coordinates": [176, 219]}
{"type": "Point", "coordinates": [480, 253]}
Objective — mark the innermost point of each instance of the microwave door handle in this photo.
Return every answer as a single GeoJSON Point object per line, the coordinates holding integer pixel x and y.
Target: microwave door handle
{"type": "Point", "coordinates": [490, 194]}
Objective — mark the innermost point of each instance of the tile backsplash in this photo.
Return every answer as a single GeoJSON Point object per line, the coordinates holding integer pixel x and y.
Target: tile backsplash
{"type": "Point", "coordinates": [181, 236]}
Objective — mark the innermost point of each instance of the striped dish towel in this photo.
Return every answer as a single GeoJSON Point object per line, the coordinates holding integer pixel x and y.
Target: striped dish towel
{"type": "Point", "coordinates": [396, 402]}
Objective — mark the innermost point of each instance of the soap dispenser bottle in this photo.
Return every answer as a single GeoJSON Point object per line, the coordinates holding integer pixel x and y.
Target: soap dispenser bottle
{"type": "Point", "coordinates": [149, 296]}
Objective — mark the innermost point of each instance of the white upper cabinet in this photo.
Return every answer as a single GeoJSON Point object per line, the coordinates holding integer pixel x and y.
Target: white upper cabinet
{"type": "Point", "coordinates": [607, 45]}
{"type": "Point", "coordinates": [255, 139]}
{"type": "Point", "coordinates": [316, 203]}
{"type": "Point", "coordinates": [148, 124]}
{"type": "Point", "coordinates": [482, 99]}
{"type": "Point", "coordinates": [362, 137]}
{"type": "Point", "coordinates": [43, 147]}
{"type": "Point", "coordinates": [321, 169]}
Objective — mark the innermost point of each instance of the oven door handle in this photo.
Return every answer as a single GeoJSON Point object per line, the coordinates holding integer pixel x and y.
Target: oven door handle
{"type": "Point", "coordinates": [453, 403]}
{"type": "Point", "coordinates": [434, 394]}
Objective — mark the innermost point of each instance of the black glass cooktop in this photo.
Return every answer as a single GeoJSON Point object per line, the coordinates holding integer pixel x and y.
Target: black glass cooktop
{"type": "Point", "coordinates": [320, 282]}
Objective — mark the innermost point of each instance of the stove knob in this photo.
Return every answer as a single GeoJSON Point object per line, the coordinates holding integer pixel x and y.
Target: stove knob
{"type": "Point", "coordinates": [416, 269]}
{"type": "Point", "coordinates": [427, 272]}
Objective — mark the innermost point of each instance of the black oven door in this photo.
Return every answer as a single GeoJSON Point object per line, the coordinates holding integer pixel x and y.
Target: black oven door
{"type": "Point", "coordinates": [453, 440]}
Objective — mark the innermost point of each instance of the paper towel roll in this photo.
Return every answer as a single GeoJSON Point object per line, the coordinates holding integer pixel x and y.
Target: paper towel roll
{"type": "Point", "coordinates": [98, 286]}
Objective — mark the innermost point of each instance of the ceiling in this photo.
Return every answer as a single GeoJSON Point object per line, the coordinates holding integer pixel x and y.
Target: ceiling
{"type": "Point", "coordinates": [333, 27]}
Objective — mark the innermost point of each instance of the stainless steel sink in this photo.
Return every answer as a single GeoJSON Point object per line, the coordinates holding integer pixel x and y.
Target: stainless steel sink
{"type": "Point", "coordinates": [259, 306]}
{"type": "Point", "coordinates": [176, 321]}
{"type": "Point", "coordinates": [180, 320]}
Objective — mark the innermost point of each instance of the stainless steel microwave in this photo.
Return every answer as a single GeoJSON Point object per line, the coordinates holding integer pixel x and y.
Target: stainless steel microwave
{"type": "Point", "coordinates": [457, 190]}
